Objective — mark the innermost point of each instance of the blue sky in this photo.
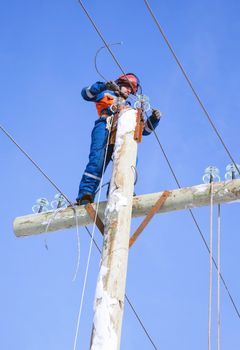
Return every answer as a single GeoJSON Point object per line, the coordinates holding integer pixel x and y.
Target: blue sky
{"type": "Point", "coordinates": [46, 56]}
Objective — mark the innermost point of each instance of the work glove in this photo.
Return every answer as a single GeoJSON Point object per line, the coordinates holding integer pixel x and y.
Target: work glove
{"type": "Point", "coordinates": [111, 85]}
{"type": "Point", "coordinates": [156, 114]}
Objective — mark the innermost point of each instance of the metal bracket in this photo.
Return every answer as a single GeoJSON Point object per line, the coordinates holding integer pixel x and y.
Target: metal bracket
{"type": "Point", "coordinates": [95, 218]}
{"type": "Point", "coordinates": [149, 216]}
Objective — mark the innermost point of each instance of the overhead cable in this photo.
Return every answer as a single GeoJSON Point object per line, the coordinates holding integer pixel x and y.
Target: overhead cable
{"type": "Point", "coordinates": [191, 213]}
{"type": "Point", "coordinates": [58, 189]}
{"type": "Point", "coordinates": [191, 85]}
{"type": "Point", "coordinates": [210, 267]}
{"type": "Point", "coordinates": [129, 302]}
{"type": "Point", "coordinates": [104, 41]}
{"type": "Point", "coordinates": [91, 244]}
{"type": "Point", "coordinates": [34, 163]}
{"type": "Point", "coordinates": [218, 276]}
{"type": "Point", "coordinates": [197, 225]}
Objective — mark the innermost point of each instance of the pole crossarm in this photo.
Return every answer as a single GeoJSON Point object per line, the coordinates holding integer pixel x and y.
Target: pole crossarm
{"type": "Point", "coordinates": [179, 199]}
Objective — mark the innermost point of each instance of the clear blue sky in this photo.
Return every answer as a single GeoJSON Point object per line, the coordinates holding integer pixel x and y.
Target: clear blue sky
{"type": "Point", "coordinates": [46, 56]}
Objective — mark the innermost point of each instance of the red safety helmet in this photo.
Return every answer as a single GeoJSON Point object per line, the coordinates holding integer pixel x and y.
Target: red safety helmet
{"type": "Point", "coordinates": [129, 79]}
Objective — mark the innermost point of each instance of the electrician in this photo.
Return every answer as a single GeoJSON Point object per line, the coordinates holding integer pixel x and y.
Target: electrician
{"type": "Point", "coordinates": [105, 96]}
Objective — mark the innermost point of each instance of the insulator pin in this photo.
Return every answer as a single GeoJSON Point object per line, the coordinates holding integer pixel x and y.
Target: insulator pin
{"type": "Point", "coordinates": [41, 205]}
{"type": "Point", "coordinates": [211, 174]}
{"type": "Point", "coordinates": [142, 102]}
{"type": "Point", "coordinates": [232, 171]}
{"type": "Point", "coordinates": [59, 201]}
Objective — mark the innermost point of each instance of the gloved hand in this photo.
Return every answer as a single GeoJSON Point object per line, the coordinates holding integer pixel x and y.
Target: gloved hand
{"type": "Point", "coordinates": [156, 114]}
{"type": "Point", "coordinates": [111, 85]}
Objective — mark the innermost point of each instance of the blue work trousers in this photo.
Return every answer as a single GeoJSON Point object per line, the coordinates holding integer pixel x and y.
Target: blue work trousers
{"type": "Point", "coordinates": [94, 169]}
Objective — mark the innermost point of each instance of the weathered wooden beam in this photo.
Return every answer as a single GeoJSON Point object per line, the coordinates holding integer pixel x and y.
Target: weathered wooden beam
{"type": "Point", "coordinates": [179, 199]}
{"type": "Point", "coordinates": [110, 291]}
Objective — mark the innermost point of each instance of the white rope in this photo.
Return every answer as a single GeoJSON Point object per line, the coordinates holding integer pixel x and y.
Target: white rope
{"type": "Point", "coordinates": [49, 223]}
{"type": "Point", "coordinates": [78, 249]}
{"type": "Point", "coordinates": [90, 250]}
{"type": "Point", "coordinates": [78, 239]}
{"type": "Point", "coordinates": [218, 277]}
{"type": "Point", "coordinates": [210, 268]}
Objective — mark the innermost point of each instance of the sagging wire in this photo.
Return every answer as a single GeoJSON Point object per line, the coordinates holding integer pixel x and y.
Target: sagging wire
{"type": "Point", "coordinates": [169, 164]}
{"type": "Point", "coordinates": [60, 191]}
{"type": "Point", "coordinates": [196, 223]}
{"type": "Point", "coordinates": [91, 244]}
{"type": "Point", "coordinates": [48, 178]}
{"type": "Point", "coordinates": [95, 58]}
{"type": "Point", "coordinates": [72, 206]}
{"type": "Point", "coordinates": [180, 65]}
{"type": "Point", "coordinates": [48, 224]}
{"type": "Point", "coordinates": [78, 249]}
{"type": "Point", "coordinates": [219, 278]}
{"type": "Point", "coordinates": [102, 76]}
{"type": "Point", "coordinates": [211, 174]}
{"type": "Point", "coordinates": [104, 41]}
{"type": "Point", "coordinates": [210, 267]}
{"type": "Point", "coordinates": [78, 237]}
{"type": "Point", "coordinates": [106, 184]}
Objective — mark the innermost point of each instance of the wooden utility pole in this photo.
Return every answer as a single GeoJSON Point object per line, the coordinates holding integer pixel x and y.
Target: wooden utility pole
{"type": "Point", "coordinates": [109, 299]}
{"type": "Point", "coordinates": [116, 214]}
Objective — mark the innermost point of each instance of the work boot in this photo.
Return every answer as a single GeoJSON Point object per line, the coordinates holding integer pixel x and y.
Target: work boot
{"type": "Point", "coordinates": [85, 199]}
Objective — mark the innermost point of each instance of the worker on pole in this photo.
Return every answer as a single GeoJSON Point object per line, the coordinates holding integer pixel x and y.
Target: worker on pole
{"type": "Point", "coordinates": [110, 98]}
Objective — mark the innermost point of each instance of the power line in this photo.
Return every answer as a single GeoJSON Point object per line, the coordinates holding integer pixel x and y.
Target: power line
{"type": "Point", "coordinates": [34, 163]}
{"type": "Point", "coordinates": [139, 320]}
{"type": "Point", "coordinates": [91, 244]}
{"type": "Point", "coordinates": [58, 189]}
{"type": "Point", "coordinates": [101, 36]}
{"type": "Point", "coordinates": [193, 217]}
{"type": "Point", "coordinates": [104, 41]}
{"type": "Point", "coordinates": [210, 268]}
{"type": "Point", "coordinates": [196, 223]}
{"type": "Point", "coordinates": [191, 85]}
{"type": "Point", "coordinates": [129, 302]}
